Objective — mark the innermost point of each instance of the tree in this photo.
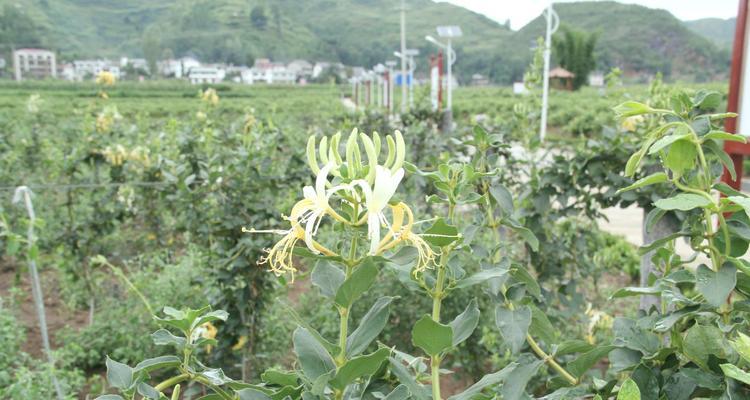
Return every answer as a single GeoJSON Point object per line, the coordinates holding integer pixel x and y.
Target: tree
{"type": "Point", "coordinates": [151, 49]}
{"type": "Point", "coordinates": [574, 51]}
{"type": "Point", "coordinates": [258, 17]}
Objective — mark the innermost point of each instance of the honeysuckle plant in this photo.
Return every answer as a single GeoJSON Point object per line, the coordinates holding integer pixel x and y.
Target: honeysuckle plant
{"type": "Point", "coordinates": [188, 332]}
{"type": "Point", "coordinates": [691, 345]}
{"type": "Point", "coordinates": [354, 197]}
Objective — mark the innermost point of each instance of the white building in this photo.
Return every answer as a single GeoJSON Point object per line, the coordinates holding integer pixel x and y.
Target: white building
{"type": "Point", "coordinates": [265, 71]}
{"type": "Point", "coordinates": [198, 75]}
{"type": "Point", "coordinates": [178, 68]}
{"type": "Point", "coordinates": [300, 68]}
{"type": "Point", "coordinates": [135, 63]}
{"type": "Point", "coordinates": [34, 64]}
{"type": "Point", "coordinates": [89, 69]}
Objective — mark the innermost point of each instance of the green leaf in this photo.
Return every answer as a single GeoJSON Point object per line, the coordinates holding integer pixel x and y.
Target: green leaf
{"type": "Point", "coordinates": [359, 282]}
{"type": "Point", "coordinates": [358, 367]}
{"type": "Point", "coordinates": [401, 392]}
{"type": "Point", "coordinates": [218, 315]}
{"type": "Point", "coordinates": [720, 135]}
{"type": "Point", "coordinates": [668, 140]}
{"type": "Point", "coordinates": [465, 323]}
{"type": "Point", "coordinates": [327, 277]}
{"type": "Point", "coordinates": [541, 327]}
{"type": "Point", "coordinates": [628, 333]}
{"type": "Point", "coordinates": [652, 179]}
{"type": "Point", "coordinates": [735, 373]}
{"type": "Point", "coordinates": [707, 99]}
{"type": "Point", "coordinates": [119, 375]}
{"type": "Point", "coordinates": [519, 377]}
{"type": "Point", "coordinates": [636, 291]}
{"type": "Point", "coordinates": [370, 327]}
{"type": "Point", "coordinates": [486, 381]}
{"type": "Point", "coordinates": [109, 397]}
{"type": "Point", "coordinates": [660, 242]}
{"type": "Point", "coordinates": [163, 337]}
{"type": "Point", "coordinates": [252, 394]}
{"type": "Point", "coordinates": [152, 364]}
{"type": "Point", "coordinates": [683, 202]}
{"type": "Point", "coordinates": [681, 156]}
{"type": "Point", "coordinates": [702, 342]}
{"type": "Point", "coordinates": [631, 108]}
{"type": "Point", "coordinates": [743, 202]}
{"type": "Point", "coordinates": [313, 357]}
{"type": "Point", "coordinates": [629, 391]}
{"type": "Point", "coordinates": [330, 347]}
{"type": "Point", "coordinates": [723, 157]}
{"type": "Point", "coordinates": [742, 346]}
{"type": "Point", "coordinates": [402, 374]}
{"type": "Point", "coordinates": [431, 336]}
{"type": "Point", "coordinates": [280, 378]}
{"type": "Point", "coordinates": [148, 391]}
{"type": "Point", "coordinates": [513, 325]}
{"type": "Point", "coordinates": [573, 346]}
{"type": "Point", "coordinates": [716, 286]}
{"type": "Point", "coordinates": [525, 233]}
{"type": "Point", "coordinates": [441, 234]}
{"type": "Point", "coordinates": [522, 275]}
{"type": "Point", "coordinates": [481, 277]}
{"type": "Point", "coordinates": [585, 361]}
{"type": "Point", "coordinates": [504, 199]}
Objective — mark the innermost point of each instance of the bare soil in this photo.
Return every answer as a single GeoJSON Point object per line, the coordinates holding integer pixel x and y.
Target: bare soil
{"type": "Point", "coordinates": [57, 314]}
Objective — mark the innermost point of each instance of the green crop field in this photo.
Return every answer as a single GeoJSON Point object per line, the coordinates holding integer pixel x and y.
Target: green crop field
{"type": "Point", "coordinates": [268, 242]}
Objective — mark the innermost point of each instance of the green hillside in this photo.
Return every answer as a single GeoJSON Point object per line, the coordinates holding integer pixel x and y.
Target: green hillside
{"type": "Point", "coordinates": [639, 39]}
{"type": "Point", "coordinates": [355, 32]}
{"type": "Point", "coordinates": [721, 31]}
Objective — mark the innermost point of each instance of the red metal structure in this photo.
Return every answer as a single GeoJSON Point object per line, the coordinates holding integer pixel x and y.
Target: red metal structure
{"type": "Point", "coordinates": [737, 151]}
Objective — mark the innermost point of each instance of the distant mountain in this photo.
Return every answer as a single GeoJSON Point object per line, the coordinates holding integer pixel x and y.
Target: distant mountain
{"type": "Point", "coordinates": [721, 31]}
{"type": "Point", "coordinates": [639, 39]}
{"type": "Point", "coordinates": [355, 32]}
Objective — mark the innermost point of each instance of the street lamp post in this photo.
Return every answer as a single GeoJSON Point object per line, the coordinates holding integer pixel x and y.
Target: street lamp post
{"type": "Point", "coordinates": [403, 56]}
{"type": "Point", "coordinates": [412, 66]}
{"type": "Point", "coordinates": [391, 68]}
{"type": "Point", "coordinates": [553, 22]}
{"type": "Point", "coordinates": [448, 32]}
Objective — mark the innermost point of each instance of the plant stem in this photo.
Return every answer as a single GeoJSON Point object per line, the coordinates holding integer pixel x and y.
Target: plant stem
{"type": "Point", "coordinates": [171, 382]}
{"type": "Point", "coordinates": [550, 360]}
{"type": "Point", "coordinates": [437, 301]}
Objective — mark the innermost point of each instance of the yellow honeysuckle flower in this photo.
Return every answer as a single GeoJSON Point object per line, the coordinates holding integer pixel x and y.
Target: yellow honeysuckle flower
{"type": "Point", "coordinates": [208, 331]}
{"type": "Point", "coordinates": [279, 257]}
{"type": "Point", "coordinates": [210, 96]}
{"type": "Point", "coordinates": [240, 343]}
{"type": "Point", "coordinates": [105, 78]}
{"type": "Point", "coordinates": [400, 233]}
{"type": "Point", "coordinates": [630, 124]}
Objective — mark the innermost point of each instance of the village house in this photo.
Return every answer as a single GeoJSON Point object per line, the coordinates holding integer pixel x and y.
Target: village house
{"type": "Point", "coordinates": [178, 68]}
{"type": "Point", "coordinates": [89, 69]}
{"type": "Point", "coordinates": [34, 64]}
{"type": "Point", "coordinates": [206, 74]}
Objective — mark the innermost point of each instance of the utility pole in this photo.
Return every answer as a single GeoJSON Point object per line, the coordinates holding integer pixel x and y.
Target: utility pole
{"type": "Point", "coordinates": [553, 22]}
{"type": "Point", "coordinates": [403, 57]}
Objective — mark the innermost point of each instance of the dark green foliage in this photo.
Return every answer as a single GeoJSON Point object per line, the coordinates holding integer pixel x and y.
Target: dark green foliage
{"type": "Point", "coordinates": [574, 51]}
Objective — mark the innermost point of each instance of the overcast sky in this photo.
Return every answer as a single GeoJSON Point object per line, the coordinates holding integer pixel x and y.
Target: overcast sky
{"type": "Point", "coordinates": [522, 11]}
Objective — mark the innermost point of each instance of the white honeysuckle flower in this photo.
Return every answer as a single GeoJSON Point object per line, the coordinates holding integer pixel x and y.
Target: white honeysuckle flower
{"type": "Point", "coordinates": [311, 210]}
{"type": "Point", "coordinates": [376, 199]}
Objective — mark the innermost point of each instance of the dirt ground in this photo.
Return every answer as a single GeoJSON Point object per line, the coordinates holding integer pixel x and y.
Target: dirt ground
{"type": "Point", "coordinates": [58, 315]}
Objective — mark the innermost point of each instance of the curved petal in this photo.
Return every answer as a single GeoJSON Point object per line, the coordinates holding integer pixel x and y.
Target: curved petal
{"type": "Point", "coordinates": [373, 232]}
{"type": "Point", "coordinates": [310, 227]}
